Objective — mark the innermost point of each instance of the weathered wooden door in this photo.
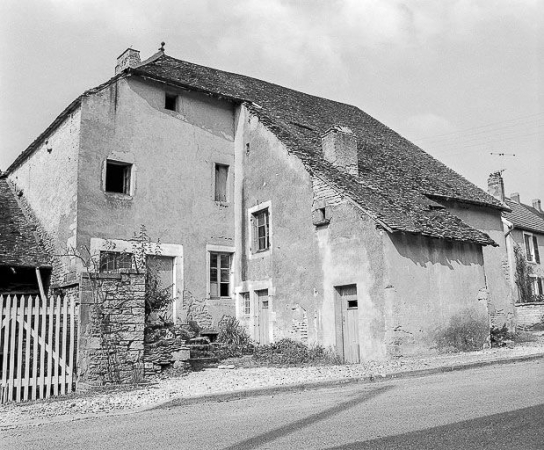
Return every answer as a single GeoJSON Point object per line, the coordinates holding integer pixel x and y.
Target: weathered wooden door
{"type": "Point", "coordinates": [347, 323]}
{"type": "Point", "coordinates": [263, 334]}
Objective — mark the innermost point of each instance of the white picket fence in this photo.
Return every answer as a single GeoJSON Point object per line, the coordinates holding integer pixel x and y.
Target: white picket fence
{"type": "Point", "coordinates": [38, 346]}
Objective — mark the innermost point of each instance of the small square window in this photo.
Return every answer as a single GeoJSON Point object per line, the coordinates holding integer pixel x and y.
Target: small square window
{"type": "Point", "coordinates": [111, 261]}
{"type": "Point", "coordinates": [170, 101]}
{"type": "Point", "coordinates": [220, 274]}
{"type": "Point", "coordinates": [319, 217]}
{"type": "Point", "coordinates": [261, 230]}
{"type": "Point", "coordinates": [221, 177]}
{"type": "Point", "coordinates": [118, 176]}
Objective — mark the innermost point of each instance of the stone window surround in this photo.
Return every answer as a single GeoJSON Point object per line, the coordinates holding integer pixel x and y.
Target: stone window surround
{"type": "Point", "coordinates": [210, 248]}
{"type": "Point", "coordinates": [222, 161]}
{"type": "Point", "coordinates": [251, 254]}
{"type": "Point", "coordinates": [174, 251]}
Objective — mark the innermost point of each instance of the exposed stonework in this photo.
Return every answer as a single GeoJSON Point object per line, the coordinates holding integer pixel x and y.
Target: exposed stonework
{"type": "Point", "coordinates": [197, 310]}
{"type": "Point", "coordinates": [529, 314]}
{"type": "Point", "coordinates": [112, 327]}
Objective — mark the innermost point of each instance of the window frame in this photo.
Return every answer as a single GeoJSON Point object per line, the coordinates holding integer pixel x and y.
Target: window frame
{"type": "Point", "coordinates": [252, 248]}
{"type": "Point", "coordinates": [530, 244]}
{"type": "Point", "coordinates": [221, 249]}
{"type": "Point", "coordinates": [115, 259]}
{"type": "Point", "coordinates": [127, 176]}
{"type": "Point", "coordinates": [257, 226]}
{"type": "Point", "coordinates": [171, 96]}
{"type": "Point", "coordinates": [245, 303]}
{"type": "Point", "coordinates": [217, 179]}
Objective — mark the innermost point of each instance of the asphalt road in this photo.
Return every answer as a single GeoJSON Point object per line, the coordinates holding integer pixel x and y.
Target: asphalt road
{"type": "Point", "coordinates": [496, 407]}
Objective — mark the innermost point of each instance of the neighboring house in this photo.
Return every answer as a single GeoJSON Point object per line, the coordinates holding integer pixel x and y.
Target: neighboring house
{"type": "Point", "coordinates": [524, 230]}
{"type": "Point", "coordinates": [304, 217]}
{"type": "Point", "coordinates": [24, 261]}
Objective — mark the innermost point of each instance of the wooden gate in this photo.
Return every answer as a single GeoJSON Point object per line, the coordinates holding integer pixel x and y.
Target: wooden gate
{"type": "Point", "coordinates": [38, 346]}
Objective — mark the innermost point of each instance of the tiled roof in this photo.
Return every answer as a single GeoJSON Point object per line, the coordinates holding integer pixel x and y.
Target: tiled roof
{"type": "Point", "coordinates": [397, 180]}
{"type": "Point", "coordinates": [18, 245]}
{"type": "Point", "coordinates": [524, 217]}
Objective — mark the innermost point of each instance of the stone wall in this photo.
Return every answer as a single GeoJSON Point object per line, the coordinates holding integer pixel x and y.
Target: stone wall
{"type": "Point", "coordinates": [112, 327]}
{"type": "Point", "coordinates": [529, 314]}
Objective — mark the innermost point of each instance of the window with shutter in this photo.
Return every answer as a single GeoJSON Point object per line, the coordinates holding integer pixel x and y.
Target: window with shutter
{"type": "Point", "coordinates": [221, 176]}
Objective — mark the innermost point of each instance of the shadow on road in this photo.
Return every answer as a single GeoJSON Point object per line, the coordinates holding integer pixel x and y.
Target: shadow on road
{"type": "Point", "coordinates": [519, 429]}
{"type": "Point", "coordinates": [272, 435]}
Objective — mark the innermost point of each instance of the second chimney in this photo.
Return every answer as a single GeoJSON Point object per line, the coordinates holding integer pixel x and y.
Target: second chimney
{"type": "Point", "coordinates": [495, 185]}
{"type": "Point", "coordinates": [538, 205]}
{"type": "Point", "coordinates": [340, 149]}
{"type": "Point", "coordinates": [515, 197]}
{"type": "Point", "coordinates": [129, 58]}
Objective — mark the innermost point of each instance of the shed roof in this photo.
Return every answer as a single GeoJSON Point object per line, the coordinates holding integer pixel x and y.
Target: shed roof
{"type": "Point", "coordinates": [524, 217]}
{"type": "Point", "coordinates": [18, 244]}
{"type": "Point", "coordinates": [397, 180]}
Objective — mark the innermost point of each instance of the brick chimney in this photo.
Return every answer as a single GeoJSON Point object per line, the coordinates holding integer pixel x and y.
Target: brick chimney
{"type": "Point", "coordinates": [538, 205]}
{"type": "Point", "coordinates": [129, 58]}
{"type": "Point", "coordinates": [495, 185]}
{"type": "Point", "coordinates": [515, 197]}
{"type": "Point", "coordinates": [339, 146]}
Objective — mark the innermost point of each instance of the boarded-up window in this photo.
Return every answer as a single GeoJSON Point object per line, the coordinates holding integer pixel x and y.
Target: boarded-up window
{"type": "Point", "coordinates": [261, 230]}
{"type": "Point", "coordinates": [118, 177]}
{"type": "Point", "coordinates": [220, 274]}
{"type": "Point", "coordinates": [110, 261]}
{"type": "Point", "coordinates": [221, 176]}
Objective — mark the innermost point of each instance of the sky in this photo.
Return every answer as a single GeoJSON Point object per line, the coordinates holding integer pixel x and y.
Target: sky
{"type": "Point", "coordinates": [463, 79]}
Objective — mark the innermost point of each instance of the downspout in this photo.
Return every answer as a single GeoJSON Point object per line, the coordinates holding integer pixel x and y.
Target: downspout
{"type": "Point", "coordinates": [510, 254]}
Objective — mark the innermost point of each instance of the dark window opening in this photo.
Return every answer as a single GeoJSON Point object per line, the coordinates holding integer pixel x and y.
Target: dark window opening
{"type": "Point", "coordinates": [261, 230]}
{"type": "Point", "coordinates": [170, 102]}
{"type": "Point", "coordinates": [265, 304]}
{"type": "Point", "coordinates": [220, 274]}
{"type": "Point", "coordinates": [320, 217]}
{"type": "Point", "coordinates": [22, 280]}
{"type": "Point", "coordinates": [221, 176]}
{"type": "Point", "coordinates": [110, 261]}
{"type": "Point", "coordinates": [118, 177]}
{"type": "Point", "coordinates": [352, 304]}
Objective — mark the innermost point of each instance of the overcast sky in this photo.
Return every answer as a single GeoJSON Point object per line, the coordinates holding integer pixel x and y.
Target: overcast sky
{"type": "Point", "coordinates": [460, 78]}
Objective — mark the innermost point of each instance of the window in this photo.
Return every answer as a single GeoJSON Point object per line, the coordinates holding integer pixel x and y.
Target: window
{"type": "Point", "coordinates": [110, 261]}
{"type": "Point", "coordinates": [261, 230]}
{"type": "Point", "coordinates": [320, 217]}
{"type": "Point", "coordinates": [170, 101]}
{"type": "Point", "coordinates": [537, 288]}
{"type": "Point", "coordinates": [246, 303]}
{"type": "Point", "coordinates": [531, 248]}
{"type": "Point", "coordinates": [221, 176]}
{"type": "Point", "coordinates": [220, 274]}
{"type": "Point", "coordinates": [118, 177]}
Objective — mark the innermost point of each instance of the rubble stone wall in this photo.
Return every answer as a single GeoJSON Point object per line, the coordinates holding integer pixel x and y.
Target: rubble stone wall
{"type": "Point", "coordinates": [112, 327]}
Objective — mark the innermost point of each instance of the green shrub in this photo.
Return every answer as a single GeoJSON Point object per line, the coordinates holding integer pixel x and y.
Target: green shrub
{"type": "Point", "coordinates": [290, 352]}
{"type": "Point", "coordinates": [467, 331]}
{"type": "Point", "coordinates": [232, 340]}
{"type": "Point", "coordinates": [500, 337]}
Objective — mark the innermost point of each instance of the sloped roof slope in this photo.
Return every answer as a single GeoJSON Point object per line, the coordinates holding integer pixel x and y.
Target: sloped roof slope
{"type": "Point", "coordinates": [18, 245]}
{"type": "Point", "coordinates": [524, 217]}
{"type": "Point", "coordinates": [397, 180]}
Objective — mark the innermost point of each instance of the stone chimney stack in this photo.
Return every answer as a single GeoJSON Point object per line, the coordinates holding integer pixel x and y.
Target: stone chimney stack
{"type": "Point", "coordinates": [129, 58]}
{"type": "Point", "coordinates": [538, 205]}
{"type": "Point", "coordinates": [515, 197]}
{"type": "Point", "coordinates": [495, 185]}
{"type": "Point", "coordinates": [339, 146]}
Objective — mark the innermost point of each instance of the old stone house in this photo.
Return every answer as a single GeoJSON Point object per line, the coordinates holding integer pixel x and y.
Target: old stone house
{"type": "Point", "coordinates": [524, 231]}
{"type": "Point", "coordinates": [304, 217]}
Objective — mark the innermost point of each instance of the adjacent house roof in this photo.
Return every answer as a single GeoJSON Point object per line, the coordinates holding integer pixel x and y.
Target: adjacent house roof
{"type": "Point", "coordinates": [524, 217]}
{"type": "Point", "coordinates": [18, 245]}
{"type": "Point", "coordinates": [397, 181]}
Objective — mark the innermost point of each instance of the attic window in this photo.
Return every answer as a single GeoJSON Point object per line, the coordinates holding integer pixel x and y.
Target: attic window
{"type": "Point", "coordinates": [118, 176]}
{"type": "Point", "coordinates": [170, 101]}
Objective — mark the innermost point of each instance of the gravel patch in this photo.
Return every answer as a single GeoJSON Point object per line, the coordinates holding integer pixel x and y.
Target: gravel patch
{"type": "Point", "coordinates": [220, 381]}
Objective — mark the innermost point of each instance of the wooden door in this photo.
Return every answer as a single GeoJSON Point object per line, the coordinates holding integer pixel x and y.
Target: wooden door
{"type": "Point", "coordinates": [263, 334]}
{"type": "Point", "coordinates": [347, 323]}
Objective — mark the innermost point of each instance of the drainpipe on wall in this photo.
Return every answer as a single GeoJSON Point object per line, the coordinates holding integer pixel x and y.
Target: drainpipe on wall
{"type": "Point", "coordinates": [508, 241]}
